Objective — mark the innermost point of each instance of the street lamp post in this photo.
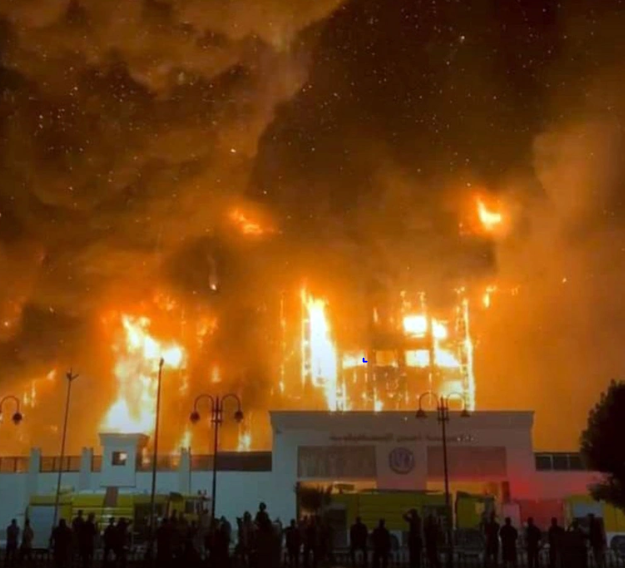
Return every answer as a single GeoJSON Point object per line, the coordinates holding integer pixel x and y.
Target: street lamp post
{"type": "Point", "coordinates": [70, 379]}
{"type": "Point", "coordinates": [217, 418]}
{"type": "Point", "coordinates": [442, 416]}
{"type": "Point", "coordinates": [150, 551]}
{"type": "Point", "coordinates": [17, 415]}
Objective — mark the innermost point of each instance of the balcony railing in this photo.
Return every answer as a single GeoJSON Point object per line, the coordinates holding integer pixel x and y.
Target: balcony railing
{"type": "Point", "coordinates": [17, 464]}
{"type": "Point", "coordinates": [52, 464]}
{"type": "Point", "coordinates": [163, 463]}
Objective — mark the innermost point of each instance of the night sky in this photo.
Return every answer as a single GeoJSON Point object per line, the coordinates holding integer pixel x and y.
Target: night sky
{"type": "Point", "coordinates": [360, 130]}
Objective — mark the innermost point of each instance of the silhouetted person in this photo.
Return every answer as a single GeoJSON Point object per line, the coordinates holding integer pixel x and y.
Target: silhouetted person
{"type": "Point", "coordinates": [13, 539]}
{"type": "Point", "coordinates": [262, 517]}
{"type": "Point", "coordinates": [311, 543]}
{"type": "Point", "coordinates": [246, 537]}
{"type": "Point", "coordinates": [555, 534]}
{"type": "Point", "coordinates": [491, 535]}
{"type": "Point", "coordinates": [574, 553]}
{"type": "Point", "coordinates": [358, 535]}
{"type": "Point", "coordinates": [110, 540]}
{"type": "Point", "coordinates": [597, 540]}
{"type": "Point", "coordinates": [533, 536]}
{"type": "Point", "coordinates": [61, 544]}
{"type": "Point", "coordinates": [431, 534]}
{"type": "Point", "coordinates": [221, 547]}
{"type": "Point", "coordinates": [381, 540]}
{"type": "Point", "coordinates": [87, 532]}
{"type": "Point", "coordinates": [191, 556]}
{"type": "Point", "coordinates": [164, 552]}
{"type": "Point", "coordinates": [415, 542]}
{"type": "Point", "coordinates": [323, 540]}
{"type": "Point", "coordinates": [76, 527]}
{"type": "Point", "coordinates": [26, 548]}
{"type": "Point", "coordinates": [293, 544]}
{"type": "Point", "coordinates": [121, 541]}
{"type": "Point", "coordinates": [509, 536]}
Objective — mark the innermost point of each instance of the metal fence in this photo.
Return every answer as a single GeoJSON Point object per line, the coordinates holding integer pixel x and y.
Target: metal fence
{"type": "Point", "coordinates": [341, 559]}
{"type": "Point", "coordinates": [52, 464]}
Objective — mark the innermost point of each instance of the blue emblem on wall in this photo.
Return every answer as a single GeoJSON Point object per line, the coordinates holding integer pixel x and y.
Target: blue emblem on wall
{"type": "Point", "coordinates": [401, 460]}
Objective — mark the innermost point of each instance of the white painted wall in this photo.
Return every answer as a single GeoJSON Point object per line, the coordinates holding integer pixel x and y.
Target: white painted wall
{"type": "Point", "coordinates": [242, 491]}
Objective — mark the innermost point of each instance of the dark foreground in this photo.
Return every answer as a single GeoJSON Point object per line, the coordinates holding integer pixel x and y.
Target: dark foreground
{"type": "Point", "coordinates": [338, 559]}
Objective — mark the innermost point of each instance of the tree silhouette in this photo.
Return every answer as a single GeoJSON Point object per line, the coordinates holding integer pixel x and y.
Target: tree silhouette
{"type": "Point", "coordinates": [603, 445]}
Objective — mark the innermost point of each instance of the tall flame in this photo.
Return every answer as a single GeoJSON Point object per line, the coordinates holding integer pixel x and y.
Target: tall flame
{"type": "Point", "coordinates": [136, 371]}
{"type": "Point", "coordinates": [319, 360]}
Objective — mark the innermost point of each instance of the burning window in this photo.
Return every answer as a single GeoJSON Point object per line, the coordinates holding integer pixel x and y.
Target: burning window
{"type": "Point", "coordinates": [119, 458]}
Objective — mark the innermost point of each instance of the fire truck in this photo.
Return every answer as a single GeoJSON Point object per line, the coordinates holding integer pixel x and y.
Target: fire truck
{"type": "Point", "coordinates": [105, 505]}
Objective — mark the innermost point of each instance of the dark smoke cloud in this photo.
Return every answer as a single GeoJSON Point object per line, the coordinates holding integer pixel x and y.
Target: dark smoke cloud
{"type": "Point", "coordinates": [559, 342]}
{"type": "Point", "coordinates": [409, 104]}
{"type": "Point", "coordinates": [128, 130]}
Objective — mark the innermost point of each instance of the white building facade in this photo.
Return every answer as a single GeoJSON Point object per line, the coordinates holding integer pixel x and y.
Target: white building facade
{"type": "Point", "coordinates": [489, 452]}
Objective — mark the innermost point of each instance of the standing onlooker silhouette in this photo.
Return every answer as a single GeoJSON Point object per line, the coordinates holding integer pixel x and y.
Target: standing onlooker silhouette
{"type": "Point", "coordinates": [26, 549]}
{"type": "Point", "coordinates": [62, 544]}
{"type": "Point", "coordinates": [76, 528]}
{"type": "Point", "coordinates": [110, 540]}
{"type": "Point", "coordinates": [509, 536]}
{"type": "Point", "coordinates": [575, 553]}
{"type": "Point", "coordinates": [311, 543]}
{"type": "Point", "coordinates": [358, 535]}
{"type": "Point", "coordinates": [431, 534]}
{"type": "Point", "coordinates": [164, 544]}
{"type": "Point", "coordinates": [293, 544]}
{"type": "Point", "coordinates": [597, 540]}
{"type": "Point", "coordinates": [262, 517]}
{"type": "Point", "coordinates": [121, 541]}
{"type": "Point", "coordinates": [555, 535]}
{"type": "Point", "coordinates": [533, 536]}
{"type": "Point", "coordinates": [13, 539]}
{"type": "Point", "coordinates": [246, 537]}
{"type": "Point", "coordinates": [415, 542]}
{"type": "Point", "coordinates": [381, 539]}
{"type": "Point", "coordinates": [87, 531]}
{"type": "Point", "coordinates": [491, 535]}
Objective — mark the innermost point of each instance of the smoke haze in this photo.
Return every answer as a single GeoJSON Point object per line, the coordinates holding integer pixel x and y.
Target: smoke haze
{"type": "Point", "coordinates": [360, 130]}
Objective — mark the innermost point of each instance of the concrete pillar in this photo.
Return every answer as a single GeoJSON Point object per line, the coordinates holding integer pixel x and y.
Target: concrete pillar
{"type": "Point", "coordinates": [86, 460]}
{"type": "Point", "coordinates": [184, 471]}
{"type": "Point", "coordinates": [34, 465]}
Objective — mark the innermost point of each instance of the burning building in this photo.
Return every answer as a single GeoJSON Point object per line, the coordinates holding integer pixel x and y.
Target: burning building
{"type": "Point", "coordinates": [411, 348]}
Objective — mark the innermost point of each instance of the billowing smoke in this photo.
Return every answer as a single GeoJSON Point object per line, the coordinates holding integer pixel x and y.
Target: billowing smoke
{"type": "Point", "coordinates": [360, 130]}
{"type": "Point", "coordinates": [128, 131]}
{"type": "Point", "coordinates": [559, 343]}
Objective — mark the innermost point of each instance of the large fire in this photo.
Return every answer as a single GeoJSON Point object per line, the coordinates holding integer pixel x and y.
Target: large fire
{"type": "Point", "coordinates": [490, 219]}
{"type": "Point", "coordinates": [424, 352]}
{"type": "Point", "coordinates": [136, 370]}
{"type": "Point", "coordinates": [414, 349]}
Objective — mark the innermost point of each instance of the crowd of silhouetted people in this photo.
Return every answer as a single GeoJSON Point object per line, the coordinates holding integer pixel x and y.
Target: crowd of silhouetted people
{"type": "Point", "coordinates": [566, 548]}
{"type": "Point", "coordinates": [308, 543]}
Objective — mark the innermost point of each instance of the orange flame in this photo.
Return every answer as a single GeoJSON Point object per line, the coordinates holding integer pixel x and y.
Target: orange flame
{"type": "Point", "coordinates": [320, 360]}
{"type": "Point", "coordinates": [245, 439]}
{"type": "Point", "coordinates": [491, 220]}
{"type": "Point", "coordinates": [247, 225]}
{"type": "Point", "coordinates": [136, 369]}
